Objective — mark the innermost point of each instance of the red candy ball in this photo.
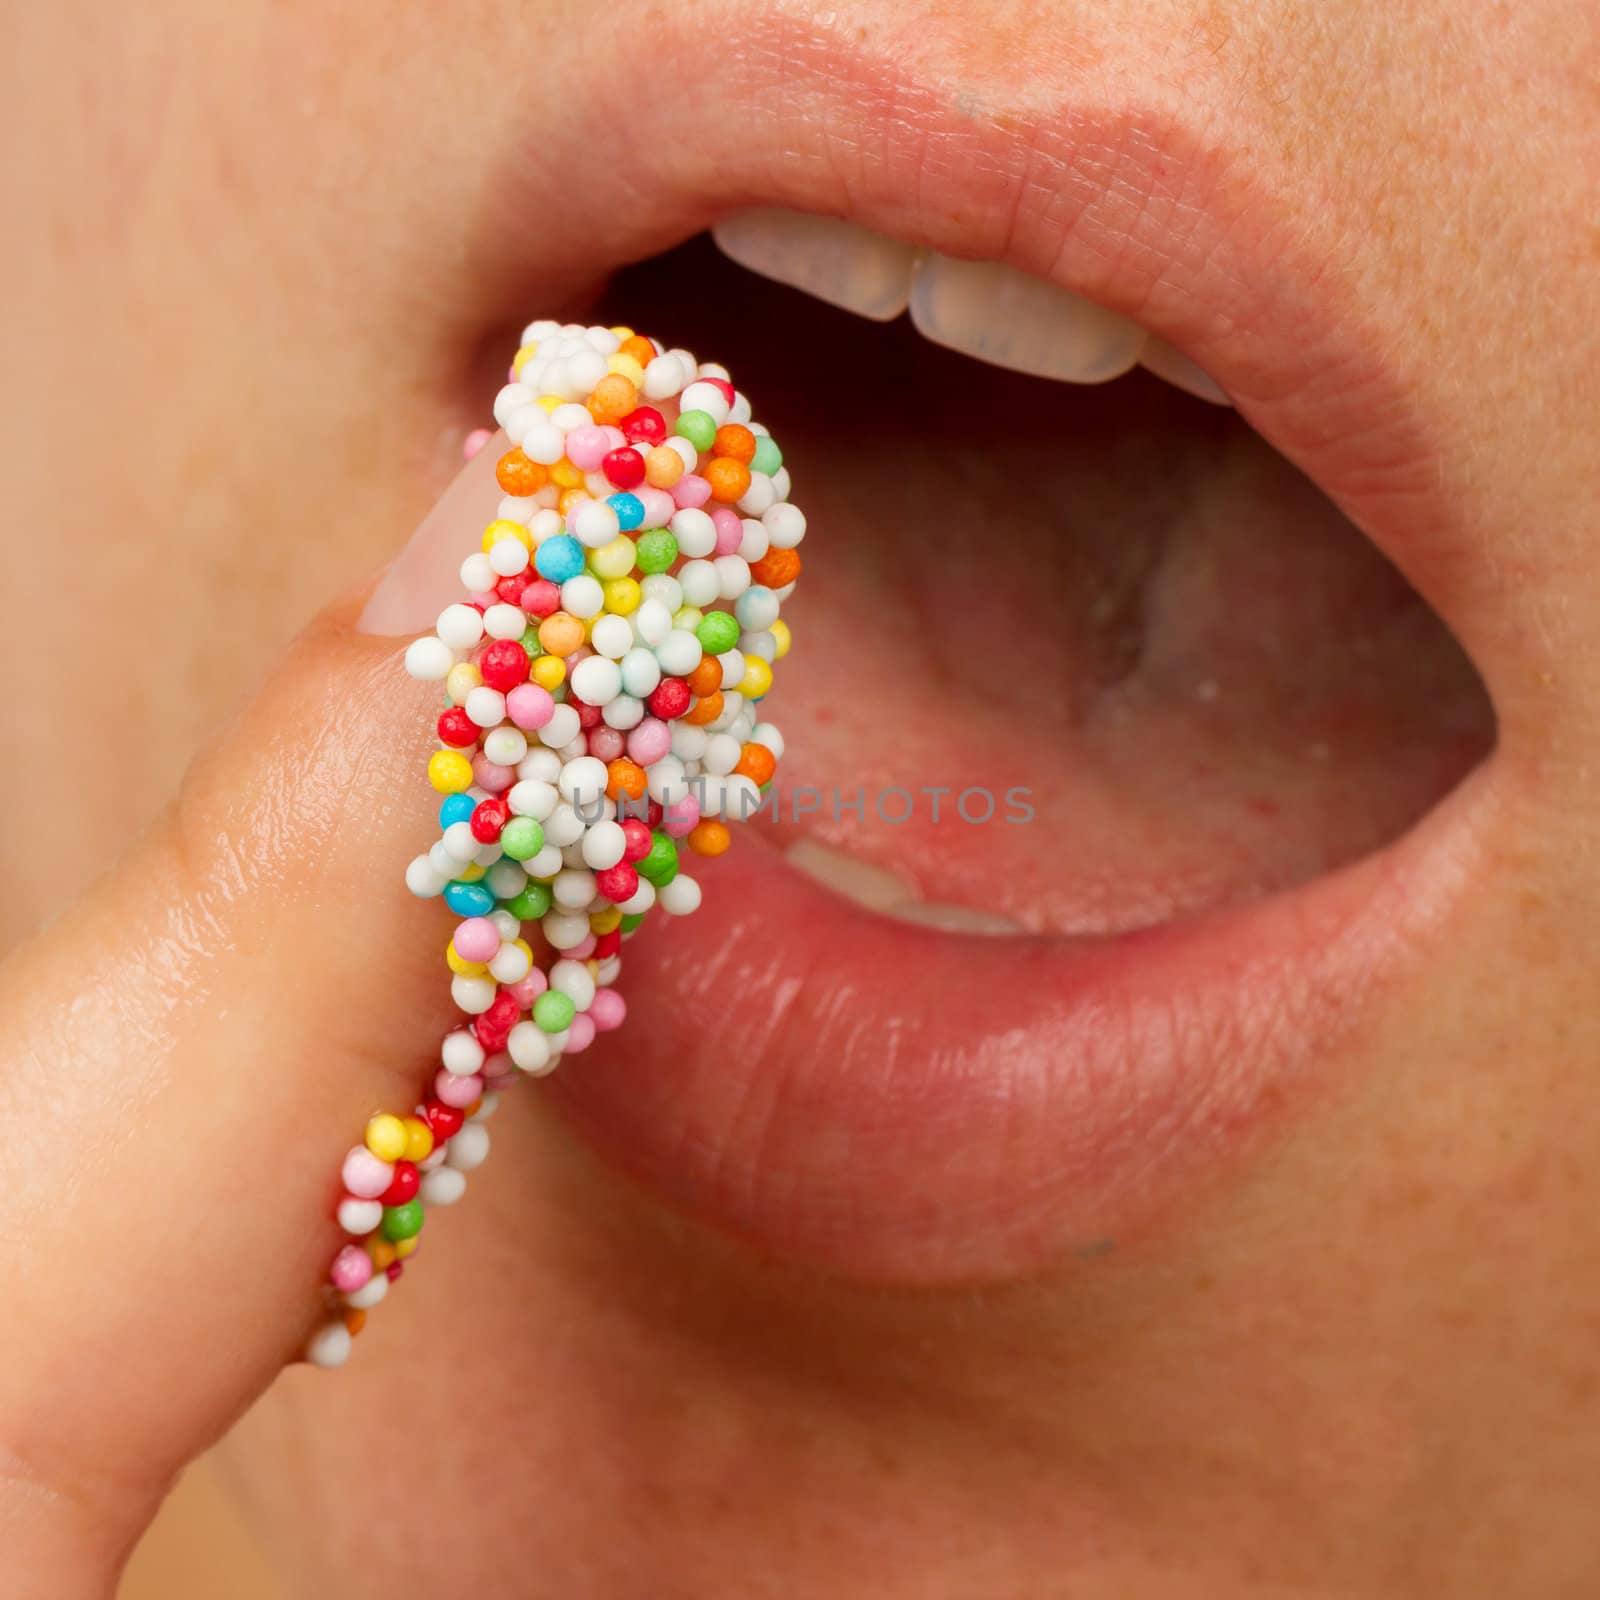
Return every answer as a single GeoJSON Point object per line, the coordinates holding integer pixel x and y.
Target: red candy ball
{"type": "Point", "coordinates": [510, 589]}
{"type": "Point", "coordinates": [588, 715]}
{"type": "Point", "coordinates": [608, 944]}
{"type": "Point", "coordinates": [489, 817]}
{"type": "Point", "coordinates": [670, 698]}
{"type": "Point", "coordinates": [540, 597]}
{"type": "Point", "coordinates": [444, 1120]}
{"type": "Point", "coordinates": [456, 728]}
{"type": "Point", "coordinates": [617, 883]}
{"type": "Point", "coordinates": [722, 384]}
{"type": "Point", "coordinates": [636, 839]}
{"type": "Point", "coordinates": [645, 426]}
{"type": "Point", "coordinates": [493, 1027]}
{"type": "Point", "coordinates": [406, 1183]}
{"type": "Point", "coordinates": [504, 664]}
{"type": "Point", "coordinates": [624, 467]}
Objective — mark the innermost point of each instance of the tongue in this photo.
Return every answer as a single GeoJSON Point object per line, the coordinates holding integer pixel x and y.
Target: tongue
{"type": "Point", "coordinates": [1152, 666]}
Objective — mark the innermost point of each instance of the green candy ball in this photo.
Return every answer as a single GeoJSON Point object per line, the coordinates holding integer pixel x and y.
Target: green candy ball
{"type": "Point", "coordinates": [656, 551]}
{"type": "Point", "coordinates": [660, 864]}
{"type": "Point", "coordinates": [718, 632]}
{"type": "Point", "coordinates": [768, 457]}
{"type": "Point", "coordinates": [554, 1011]}
{"type": "Point", "coordinates": [402, 1222]}
{"type": "Point", "coordinates": [631, 920]}
{"type": "Point", "coordinates": [531, 904]}
{"type": "Point", "coordinates": [698, 427]}
{"type": "Point", "coordinates": [521, 838]}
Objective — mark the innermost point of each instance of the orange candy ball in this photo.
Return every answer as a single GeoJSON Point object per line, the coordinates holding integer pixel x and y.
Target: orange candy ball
{"type": "Point", "coordinates": [776, 568]}
{"type": "Point", "coordinates": [561, 633]}
{"type": "Point", "coordinates": [736, 442]}
{"type": "Point", "coordinates": [625, 777]}
{"type": "Point", "coordinates": [704, 711]}
{"type": "Point", "coordinates": [662, 467]}
{"type": "Point", "coordinates": [517, 475]}
{"type": "Point", "coordinates": [729, 479]}
{"type": "Point", "coordinates": [706, 677]}
{"type": "Point", "coordinates": [640, 348]}
{"type": "Point", "coordinates": [709, 838]}
{"type": "Point", "coordinates": [757, 763]}
{"type": "Point", "coordinates": [613, 399]}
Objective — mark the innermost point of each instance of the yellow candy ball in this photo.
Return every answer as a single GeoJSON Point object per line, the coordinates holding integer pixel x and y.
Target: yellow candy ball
{"type": "Point", "coordinates": [419, 1139]}
{"type": "Point", "coordinates": [459, 963]}
{"type": "Point", "coordinates": [505, 528]}
{"type": "Point", "coordinates": [566, 476]}
{"type": "Point", "coordinates": [605, 921]}
{"type": "Point", "coordinates": [614, 560]}
{"type": "Point", "coordinates": [549, 672]}
{"type": "Point", "coordinates": [523, 357]}
{"type": "Point", "coordinates": [461, 680]}
{"type": "Point", "coordinates": [551, 401]}
{"type": "Point", "coordinates": [449, 771]}
{"type": "Point", "coordinates": [781, 637]}
{"type": "Point", "coordinates": [623, 335]}
{"type": "Point", "coordinates": [472, 872]}
{"type": "Point", "coordinates": [404, 1247]}
{"type": "Point", "coordinates": [622, 596]}
{"type": "Point", "coordinates": [386, 1136]}
{"type": "Point", "coordinates": [757, 679]}
{"type": "Point", "coordinates": [625, 367]}
{"type": "Point", "coordinates": [688, 618]}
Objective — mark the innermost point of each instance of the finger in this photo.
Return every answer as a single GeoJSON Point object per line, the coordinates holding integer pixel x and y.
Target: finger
{"type": "Point", "coordinates": [192, 1049]}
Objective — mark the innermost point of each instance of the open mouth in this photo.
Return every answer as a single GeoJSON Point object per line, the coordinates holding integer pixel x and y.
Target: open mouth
{"type": "Point", "coordinates": [1118, 747]}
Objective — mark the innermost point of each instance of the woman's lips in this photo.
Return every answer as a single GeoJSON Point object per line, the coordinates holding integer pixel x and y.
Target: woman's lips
{"type": "Point", "coordinates": [913, 1104]}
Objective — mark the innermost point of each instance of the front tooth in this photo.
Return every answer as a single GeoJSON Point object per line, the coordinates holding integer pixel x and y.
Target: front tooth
{"type": "Point", "coordinates": [955, 919]}
{"type": "Point", "coordinates": [876, 888]}
{"type": "Point", "coordinates": [833, 260]}
{"type": "Point", "coordinates": [992, 311]}
{"type": "Point", "coordinates": [1173, 367]}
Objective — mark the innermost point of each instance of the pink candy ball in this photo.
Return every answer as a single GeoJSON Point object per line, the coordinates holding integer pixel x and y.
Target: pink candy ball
{"type": "Point", "coordinates": [680, 817]}
{"type": "Point", "coordinates": [580, 1034]}
{"type": "Point", "coordinates": [351, 1270]}
{"type": "Point", "coordinates": [649, 742]}
{"type": "Point", "coordinates": [606, 1010]}
{"type": "Point", "coordinates": [690, 491]}
{"type": "Point", "coordinates": [477, 939]}
{"type": "Point", "coordinates": [529, 706]}
{"type": "Point", "coordinates": [658, 507]}
{"type": "Point", "coordinates": [587, 447]}
{"type": "Point", "coordinates": [364, 1175]}
{"type": "Point", "coordinates": [488, 775]}
{"type": "Point", "coordinates": [525, 991]}
{"type": "Point", "coordinates": [605, 744]}
{"type": "Point", "coordinates": [582, 952]}
{"type": "Point", "coordinates": [730, 530]}
{"type": "Point", "coordinates": [474, 442]}
{"type": "Point", "coordinates": [456, 1091]}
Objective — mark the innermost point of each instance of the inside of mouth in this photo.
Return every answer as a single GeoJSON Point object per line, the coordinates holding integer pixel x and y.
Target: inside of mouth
{"type": "Point", "coordinates": [1150, 665]}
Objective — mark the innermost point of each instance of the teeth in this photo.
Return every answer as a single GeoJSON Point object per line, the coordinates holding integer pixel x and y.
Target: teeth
{"type": "Point", "coordinates": [955, 919]}
{"type": "Point", "coordinates": [889, 894]}
{"type": "Point", "coordinates": [835, 261]}
{"type": "Point", "coordinates": [980, 308]}
{"type": "Point", "coordinates": [876, 888]}
{"type": "Point", "coordinates": [1002, 316]}
{"type": "Point", "coordinates": [1177, 369]}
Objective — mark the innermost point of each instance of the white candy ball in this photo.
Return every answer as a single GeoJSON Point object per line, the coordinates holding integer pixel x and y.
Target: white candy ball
{"type": "Point", "coordinates": [603, 844]}
{"type": "Point", "coordinates": [562, 728]}
{"type": "Point", "coordinates": [529, 1047]}
{"type": "Point", "coordinates": [460, 626]}
{"type": "Point", "coordinates": [612, 637]}
{"type": "Point", "coordinates": [505, 622]}
{"type": "Point", "coordinates": [430, 658]}
{"type": "Point", "coordinates": [641, 672]}
{"type": "Point", "coordinates": [442, 1187]}
{"type": "Point", "coordinates": [329, 1346]}
{"type": "Point", "coordinates": [597, 680]}
{"type": "Point", "coordinates": [469, 1148]}
{"type": "Point", "coordinates": [695, 532]}
{"type": "Point", "coordinates": [572, 979]}
{"type": "Point", "coordinates": [359, 1217]}
{"type": "Point", "coordinates": [680, 897]}
{"type": "Point", "coordinates": [486, 706]}
{"type": "Point", "coordinates": [700, 582]}
{"type": "Point", "coordinates": [679, 653]}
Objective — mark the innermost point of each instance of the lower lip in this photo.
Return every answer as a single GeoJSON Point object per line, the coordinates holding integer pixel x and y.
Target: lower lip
{"type": "Point", "coordinates": [908, 1105]}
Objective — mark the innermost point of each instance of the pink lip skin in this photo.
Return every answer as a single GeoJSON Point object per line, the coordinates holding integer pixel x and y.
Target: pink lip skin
{"type": "Point", "coordinates": [904, 1104]}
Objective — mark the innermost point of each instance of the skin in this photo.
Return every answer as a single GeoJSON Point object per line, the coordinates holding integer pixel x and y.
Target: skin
{"type": "Point", "coordinates": [1359, 1361]}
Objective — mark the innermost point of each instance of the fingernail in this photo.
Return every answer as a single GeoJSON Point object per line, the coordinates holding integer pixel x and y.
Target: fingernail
{"type": "Point", "coordinates": [426, 575]}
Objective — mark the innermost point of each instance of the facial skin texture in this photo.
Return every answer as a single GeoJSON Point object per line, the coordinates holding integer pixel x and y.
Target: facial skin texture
{"type": "Point", "coordinates": [267, 248]}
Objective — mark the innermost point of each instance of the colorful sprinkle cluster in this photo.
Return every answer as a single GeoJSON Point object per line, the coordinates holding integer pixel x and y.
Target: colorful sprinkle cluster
{"type": "Point", "coordinates": [602, 682]}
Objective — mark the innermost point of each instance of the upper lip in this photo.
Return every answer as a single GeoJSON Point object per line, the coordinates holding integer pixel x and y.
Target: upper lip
{"type": "Point", "coordinates": [897, 1136]}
